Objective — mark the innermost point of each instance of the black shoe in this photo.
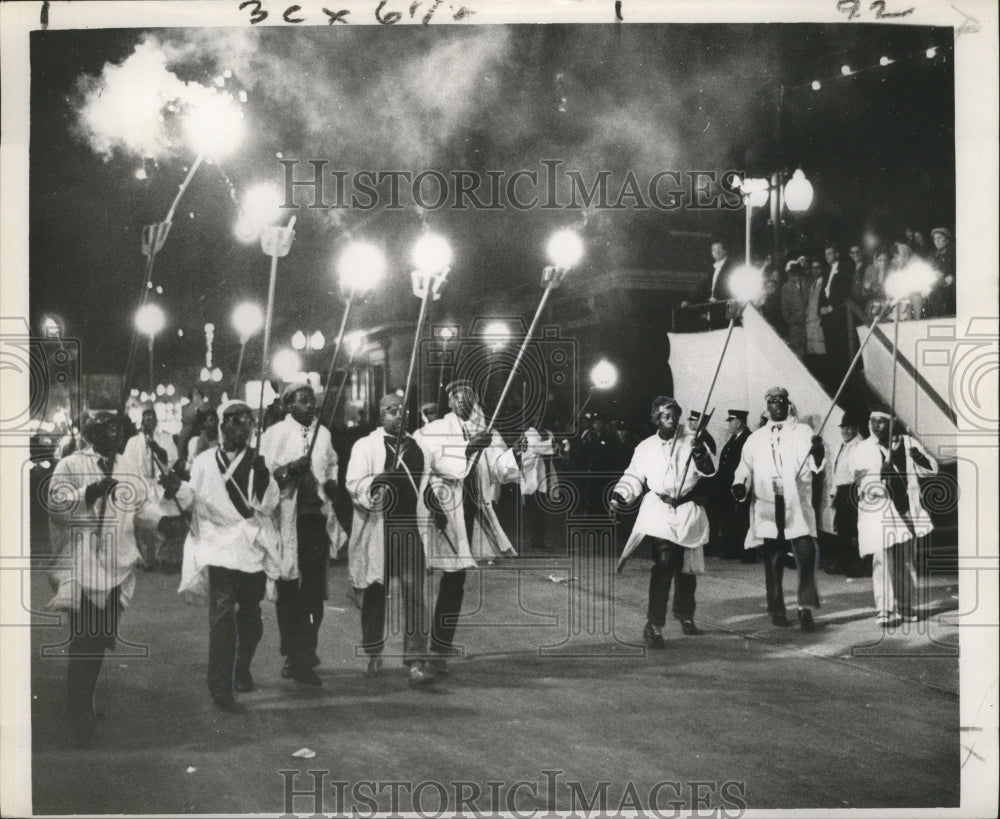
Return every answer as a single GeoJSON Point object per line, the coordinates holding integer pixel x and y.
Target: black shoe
{"type": "Point", "coordinates": [806, 620]}
{"type": "Point", "coordinates": [780, 620]}
{"type": "Point", "coordinates": [653, 636]}
{"type": "Point", "coordinates": [374, 667]}
{"type": "Point", "coordinates": [225, 702]}
{"type": "Point", "coordinates": [690, 629]}
{"type": "Point", "coordinates": [306, 676]}
{"type": "Point", "coordinates": [286, 670]}
{"type": "Point", "coordinates": [243, 682]}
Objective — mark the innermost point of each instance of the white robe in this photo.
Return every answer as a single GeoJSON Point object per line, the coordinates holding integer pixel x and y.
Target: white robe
{"type": "Point", "coordinates": [658, 466]}
{"type": "Point", "coordinates": [789, 463]}
{"type": "Point", "coordinates": [366, 550]}
{"type": "Point", "coordinates": [219, 535]}
{"type": "Point", "coordinates": [92, 559]}
{"type": "Point", "coordinates": [281, 444]}
{"type": "Point", "coordinates": [880, 525]}
{"type": "Point", "coordinates": [444, 441]}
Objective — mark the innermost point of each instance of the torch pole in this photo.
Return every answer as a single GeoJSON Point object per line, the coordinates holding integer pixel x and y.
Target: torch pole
{"type": "Point", "coordinates": [895, 355]}
{"type": "Point", "coordinates": [239, 369]}
{"type": "Point", "coordinates": [268, 316]}
{"type": "Point", "coordinates": [330, 373]}
{"type": "Point", "coordinates": [409, 372]}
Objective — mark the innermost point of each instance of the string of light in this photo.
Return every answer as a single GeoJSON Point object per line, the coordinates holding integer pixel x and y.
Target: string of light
{"type": "Point", "coordinates": [930, 54]}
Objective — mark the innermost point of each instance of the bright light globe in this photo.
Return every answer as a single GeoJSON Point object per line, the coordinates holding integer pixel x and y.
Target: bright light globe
{"type": "Point", "coordinates": [746, 283]}
{"type": "Point", "coordinates": [248, 320]}
{"type": "Point", "coordinates": [604, 375]}
{"type": "Point", "coordinates": [149, 319]}
{"type": "Point", "coordinates": [361, 267]}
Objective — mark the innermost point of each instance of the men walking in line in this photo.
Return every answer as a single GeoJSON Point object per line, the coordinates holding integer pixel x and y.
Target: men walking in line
{"type": "Point", "coordinates": [387, 488]}
{"type": "Point", "coordinates": [777, 466]}
{"type": "Point", "coordinates": [667, 466]}
{"type": "Point", "coordinates": [307, 524]}
{"type": "Point", "coordinates": [91, 526]}
{"type": "Point", "coordinates": [234, 542]}
{"type": "Point", "coordinates": [891, 517]}
{"type": "Point", "coordinates": [467, 464]}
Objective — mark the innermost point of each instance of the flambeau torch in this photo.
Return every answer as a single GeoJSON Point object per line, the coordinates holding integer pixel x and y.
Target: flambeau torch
{"type": "Point", "coordinates": [603, 376]}
{"type": "Point", "coordinates": [276, 242]}
{"type": "Point", "coordinates": [431, 260]}
{"type": "Point", "coordinates": [360, 268]}
{"type": "Point", "coordinates": [917, 277]}
{"type": "Point", "coordinates": [565, 250]}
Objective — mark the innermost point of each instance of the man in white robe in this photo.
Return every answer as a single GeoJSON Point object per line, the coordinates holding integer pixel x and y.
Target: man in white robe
{"type": "Point", "coordinates": [92, 504]}
{"type": "Point", "coordinates": [307, 525]}
{"type": "Point", "coordinates": [667, 465]}
{"type": "Point", "coordinates": [467, 464]}
{"type": "Point", "coordinates": [776, 470]}
{"type": "Point", "coordinates": [386, 540]}
{"type": "Point", "coordinates": [891, 517]}
{"type": "Point", "coordinates": [234, 545]}
{"type": "Point", "coordinates": [154, 453]}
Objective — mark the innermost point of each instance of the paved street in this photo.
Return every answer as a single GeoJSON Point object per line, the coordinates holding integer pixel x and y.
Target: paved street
{"type": "Point", "coordinates": [747, 714]}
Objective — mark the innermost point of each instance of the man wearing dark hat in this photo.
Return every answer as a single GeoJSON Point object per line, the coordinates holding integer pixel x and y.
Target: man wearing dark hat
{"type": "Point", "coordinates": [844, 501]}
{"type": "Point", "coordinates": [733, 517]}
{"type": "Point", "coordinates": [385, 537]}
{"type": "Point", "coordinates": [307, 524]}
{"type": "Point", "coordinates": [233, 546]}
{"type": "Point", "coordinates": [778, 463]}
{"type": "Point", "coordinates": [467, 463]}
{"type": "Point", "coordinates": [91, 527]}
{"type": "Point", "coordinates": [666, 467]}
{"type": "Point", "coordinates": [941, 301]}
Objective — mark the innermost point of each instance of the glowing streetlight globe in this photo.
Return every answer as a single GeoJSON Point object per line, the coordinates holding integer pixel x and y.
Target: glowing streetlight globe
{"type": "Point", "coordinates": [604, 375]}
{"type": "Point", "coordinates": [565, 249]}
{"type": "Point", "coordinates": [248, 320]}
{"type": "Point", "coordinates": [353, 341]}
{"type": "Point", "coordinates": [746, 283]}
{"type": "Point", "coordinates": [286, 363]}
{"type": "Point", "coordinates": [431, 253]}
{"type": "Point", "coordinates": [446, 333]}
{"type": "Point", "coordinates": [361, 267]}
{"type": "Point", "coordinates": [497, 332]}
{"type": "Point", "coordinates": [298, 340]}
{"type": "Point", "coordinates": [798, 192]}
{"type": "Point", "coordinates": [317, 341]}
{"type": "Point", "coordinates": [756, 192]}
{"type": "Point", "coordinates": [149, 320]}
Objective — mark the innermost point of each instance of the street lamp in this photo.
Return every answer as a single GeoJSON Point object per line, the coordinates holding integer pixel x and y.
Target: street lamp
{"type": "Point", "coordinates": [755, 195]}
{"type": "Point", "coordinates": [798, 192]}
{"type": "Point", "coordinates": [603, 376]}
{"type": "Point", "coordinates": [446, 333]}
{"type": "Point", "coordinates": [149, 320]}
{"type": "Point", "coordinates": [248, 320]}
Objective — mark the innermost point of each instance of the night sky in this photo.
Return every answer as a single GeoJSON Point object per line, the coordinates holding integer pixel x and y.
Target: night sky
{"type": "Point", "coordinates": [878, 147]}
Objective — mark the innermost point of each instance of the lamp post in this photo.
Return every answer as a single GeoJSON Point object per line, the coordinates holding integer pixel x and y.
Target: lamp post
{"type": "Point", "coordinates": [149, 320]}
{"type": "Point", "coordinates": [446, 334]}
{"type": "Point", "coordinates": [603, 376]}
{"type": "Point", "coordinates": [248, 320]}
{"type": "Point", "coordinates": [755, 195]}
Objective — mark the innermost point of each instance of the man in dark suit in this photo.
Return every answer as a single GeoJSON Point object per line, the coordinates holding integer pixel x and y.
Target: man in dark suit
{"type": "Point", "coordinates": [833, 311]}
{"type": "Point", "coordinates": [715, 286]}
{"type": "Point", "coordinates": [733, 517]}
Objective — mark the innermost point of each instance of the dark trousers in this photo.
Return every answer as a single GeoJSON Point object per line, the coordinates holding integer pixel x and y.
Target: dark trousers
{"type": "Point", "coordinates": [300, 602]}
{"type": "Point", "coordinates": [845, 522]}
{"type": "Point", "coordinates": [668, 564]}
{"type": "Point", "coordinates": [449, 604]}
{"type": "Point", "coordinates": [806, 554]}
{"type": "Point", "coordinates": [534, 520]}
{"type": "Point", "coordinates": [234, 625]}
{"type": "Point", "coordinates": [93, 630]}
{"type": "Point", "coordinates": [404, 558]}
